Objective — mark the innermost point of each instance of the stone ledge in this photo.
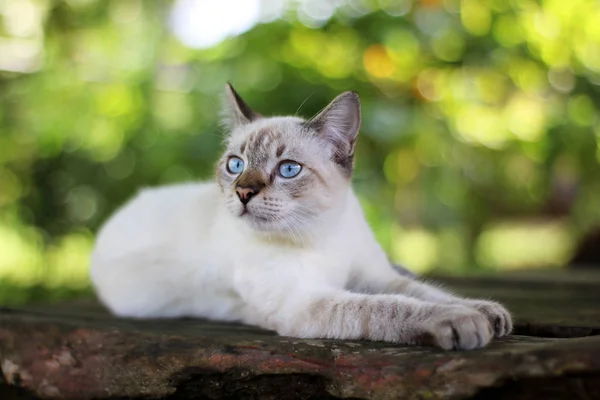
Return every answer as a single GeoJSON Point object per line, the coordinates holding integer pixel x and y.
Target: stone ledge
{"type": "Point", "coordinates": [77, 351]}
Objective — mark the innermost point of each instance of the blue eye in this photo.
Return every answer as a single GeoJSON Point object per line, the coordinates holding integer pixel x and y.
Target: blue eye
{"type": "Point", "coordinates": [235, 165]}
{"type": "Point", "coordinates": [289, 169]}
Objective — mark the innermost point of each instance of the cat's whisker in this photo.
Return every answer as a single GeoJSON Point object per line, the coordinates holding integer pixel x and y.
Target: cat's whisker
{"type": "Point", "coordinates": [302, 104]}
{"type": "Point", "coordinates": [301, 229]}
{"type": "Point", "coordinates": [294, 231]}
{"type": "Point", "coordinates": [291, 227]}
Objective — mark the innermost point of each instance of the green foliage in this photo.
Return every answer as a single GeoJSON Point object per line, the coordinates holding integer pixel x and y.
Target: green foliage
{"type": "Point", "coordinates": [480, 142]}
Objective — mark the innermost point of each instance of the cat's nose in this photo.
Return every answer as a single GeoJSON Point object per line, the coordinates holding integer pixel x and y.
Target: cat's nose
{"type": "Point", "coordinates": [246, 193]}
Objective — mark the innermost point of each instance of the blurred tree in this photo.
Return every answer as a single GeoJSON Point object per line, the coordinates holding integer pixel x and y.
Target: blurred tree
{"type": "Point", "coordinates": [480, 142]}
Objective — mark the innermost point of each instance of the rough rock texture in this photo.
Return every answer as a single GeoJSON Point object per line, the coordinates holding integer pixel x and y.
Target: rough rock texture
{"type": "Point", "coordinates": [77, 351]}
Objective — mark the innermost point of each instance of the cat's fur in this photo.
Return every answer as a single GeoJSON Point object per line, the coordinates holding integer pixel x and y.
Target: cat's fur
{"type": "Point", "coordinates": [300, 260]}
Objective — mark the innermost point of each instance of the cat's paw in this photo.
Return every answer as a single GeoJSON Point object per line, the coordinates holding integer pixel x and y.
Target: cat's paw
{"type": "Point", "coordinates": [456, 327]}
{"type": "Point", "coordinates": [498, 316]}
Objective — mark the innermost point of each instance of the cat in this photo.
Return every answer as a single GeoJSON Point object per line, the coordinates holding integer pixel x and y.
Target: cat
{"type": "Point", "coordinates": [278, 240]}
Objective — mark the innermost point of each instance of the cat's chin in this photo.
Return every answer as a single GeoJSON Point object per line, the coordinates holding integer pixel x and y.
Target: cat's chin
{"type": "Point", "coordinates": [257, 223]}
{"type": "Point", "coordinates": [267, 226]}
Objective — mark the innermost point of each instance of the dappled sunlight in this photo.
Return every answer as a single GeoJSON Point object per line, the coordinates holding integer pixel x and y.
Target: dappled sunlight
{"type": "Point", "coordinates": [524, 244]}
{"type": "Point", "coordinates": [68, 260]}
{"type": "Point", "coordinates": [205, 23]}
{"type": "Point", "coordinates": [377, 62]}
{"type": "Point", "coordinates": [416, 248]}
{"type": "Point", "coordinates": [334, 56]}
{"type": "Point", "coordinates": [22, 50]}
{"type": "Point", "coordinates": [21, 259]}
{"type": "Point", "coordinates": [25, 261]}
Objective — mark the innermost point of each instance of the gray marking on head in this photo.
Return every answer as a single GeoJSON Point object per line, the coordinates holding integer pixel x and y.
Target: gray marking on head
{"type": "Point", "coordinates": [280, 150]}
{"type": "Point", "coordinates": [258, 145]}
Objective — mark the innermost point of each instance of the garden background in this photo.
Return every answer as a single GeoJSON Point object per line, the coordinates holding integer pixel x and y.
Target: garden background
{"type": "Point", "coordinates": [479, 150]}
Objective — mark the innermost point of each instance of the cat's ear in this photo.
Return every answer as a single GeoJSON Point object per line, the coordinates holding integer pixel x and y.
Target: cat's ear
{"type": "Point", "coordinates": [339, 123]}
{"type": "Point", "coordinates": [235, 111]}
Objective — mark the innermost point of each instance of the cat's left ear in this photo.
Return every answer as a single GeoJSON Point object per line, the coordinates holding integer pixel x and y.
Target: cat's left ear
{"type": "Point", "coordinates": [338, 124]}
{"type": "Point", "coordinates": [235, 110]}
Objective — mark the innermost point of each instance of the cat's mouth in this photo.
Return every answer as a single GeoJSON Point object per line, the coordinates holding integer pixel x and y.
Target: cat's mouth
{"type": "Point", "coordinates": [248, 214]}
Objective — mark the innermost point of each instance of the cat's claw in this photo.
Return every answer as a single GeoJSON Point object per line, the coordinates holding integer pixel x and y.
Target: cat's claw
{"type": "Point", "coordinates": [498, 316]}
{"type": "Point", "coordinates": [457, 328]}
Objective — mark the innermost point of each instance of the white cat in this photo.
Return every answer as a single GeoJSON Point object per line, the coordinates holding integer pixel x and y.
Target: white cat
{"type": "Point", "coordinates": [278, 241]}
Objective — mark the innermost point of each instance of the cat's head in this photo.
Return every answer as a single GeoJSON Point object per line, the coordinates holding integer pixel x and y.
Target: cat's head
{"type": "Point", "coordinates": [285, 174]}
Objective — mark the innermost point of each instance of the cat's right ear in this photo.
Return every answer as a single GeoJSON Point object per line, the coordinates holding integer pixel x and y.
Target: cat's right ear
{"type": "Point", "coordinates": [235, 110]}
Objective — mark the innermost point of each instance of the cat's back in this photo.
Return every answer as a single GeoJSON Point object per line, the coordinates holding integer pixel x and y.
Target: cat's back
{"type": "Point", "coordinates": [161, 216]}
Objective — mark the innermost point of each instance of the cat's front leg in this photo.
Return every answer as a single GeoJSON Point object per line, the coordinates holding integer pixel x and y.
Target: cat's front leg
{"type": "Point", "coordinates": [374, 274]}
{"type": "Point", "coordinates": [297, 304]}
{"type": "Point", "coordinates": [499, 318]}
